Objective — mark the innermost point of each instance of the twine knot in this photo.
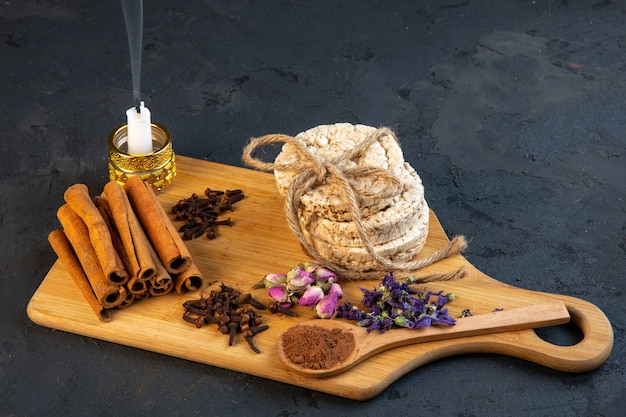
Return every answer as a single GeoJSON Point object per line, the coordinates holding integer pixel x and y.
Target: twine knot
{"type": "Point", "coordinates": [311, 171]}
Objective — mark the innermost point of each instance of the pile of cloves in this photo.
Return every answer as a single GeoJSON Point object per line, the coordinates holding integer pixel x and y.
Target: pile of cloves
{"type": "Point", "coordinates": [231, 311]}
{"type": "Point", "coordinates": [201, 213]}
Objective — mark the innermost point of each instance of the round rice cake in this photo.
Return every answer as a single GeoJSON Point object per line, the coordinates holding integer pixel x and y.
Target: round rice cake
{"type": "Point", "coordinates": [357, 258]}
{"type": "Point", "coordinates": [330, 142]}
{"type": "Point", "coordinates": [387, 224]}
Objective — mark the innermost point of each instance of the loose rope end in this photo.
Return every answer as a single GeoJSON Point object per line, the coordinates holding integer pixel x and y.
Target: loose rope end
{"type": "Point", "coordinates": [455, 275]}
{"type": "Point", "coordinates": [458, 244]}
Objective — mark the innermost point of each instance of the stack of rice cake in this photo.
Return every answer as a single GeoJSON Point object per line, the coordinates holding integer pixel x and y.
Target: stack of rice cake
{"type": "Point", "coordinates": [396, 226]}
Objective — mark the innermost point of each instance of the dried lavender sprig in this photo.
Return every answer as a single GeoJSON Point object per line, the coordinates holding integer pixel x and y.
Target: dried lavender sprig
{"type": "Point", "coordinates": [394, 304]}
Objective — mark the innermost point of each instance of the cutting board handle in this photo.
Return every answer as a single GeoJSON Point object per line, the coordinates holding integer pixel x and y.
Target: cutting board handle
{"type": "Point", "coordinates": [586, 355]}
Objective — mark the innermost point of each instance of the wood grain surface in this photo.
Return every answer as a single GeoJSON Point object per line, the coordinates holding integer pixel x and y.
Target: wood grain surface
{"type": "Point", "coordinates": [259, 242]}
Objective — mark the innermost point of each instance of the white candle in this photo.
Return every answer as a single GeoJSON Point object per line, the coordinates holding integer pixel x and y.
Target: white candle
{"type": "Point", "coordinates": [139, 130]}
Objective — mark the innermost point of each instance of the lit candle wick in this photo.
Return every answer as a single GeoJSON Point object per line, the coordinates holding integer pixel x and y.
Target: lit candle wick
{"type": "Point", "coordinates": [139, 130]}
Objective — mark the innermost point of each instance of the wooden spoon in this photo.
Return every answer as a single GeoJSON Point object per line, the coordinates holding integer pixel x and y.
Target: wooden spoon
{"type": "Point", "coordinates": [368, 344]}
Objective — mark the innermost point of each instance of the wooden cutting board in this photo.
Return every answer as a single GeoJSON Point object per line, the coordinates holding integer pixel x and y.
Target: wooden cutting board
{"type": "Point", "coordinates": [260, 242]}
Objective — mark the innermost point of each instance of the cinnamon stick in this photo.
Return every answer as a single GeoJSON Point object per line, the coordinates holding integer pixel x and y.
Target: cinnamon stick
{"type": "Point", "coordinates": [105, 211]}
{"type": "Point", "coordinates": [191, 279]}
{"type": "Point", "coordinates": [78, 199]}
{"type": "Point", "coordinates": [65, 252]}
{"type": "Point", "coordinates": [162, 278]}
{"type": "Point", "coordinates": [158, 227]}
{"type": "Point", "coordinates": [128, 300]}
{"type": "Point", "coordinates": [109, 295]}
{"type": "Point", "coordinates": [163, 290]}
{"type": "Point", "coordinates": [135, 242]}
{"type": "Point", "coordinates": [136, 286]}
{"type": "Point", "coordinates": [142, 295]}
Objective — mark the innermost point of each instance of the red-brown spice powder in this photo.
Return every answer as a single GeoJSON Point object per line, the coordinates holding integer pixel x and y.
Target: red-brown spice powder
{"type": "Point", "coordinates": [315, 347]}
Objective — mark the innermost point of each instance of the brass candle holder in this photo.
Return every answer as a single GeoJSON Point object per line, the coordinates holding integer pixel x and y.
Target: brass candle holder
{"type": "Point", "coordinates": [157, 168]}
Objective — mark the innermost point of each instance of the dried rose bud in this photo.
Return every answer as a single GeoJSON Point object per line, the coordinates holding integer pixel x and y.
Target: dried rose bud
{"type": "Point", "coordinates": [325, 308]}
{"type": "Point", "coordinates": [299, 280]}
{"type": "Point", "coordinates": [311, 265]}
{"type": "Point", "coordinates": [335, 289]}
{"type": "Point", "coordinates": [325, 275]}
{"type": "Point", "coordinates": [280, 295]}
{"type": "Point", "coordinates": [322, 274]}
{"type": "Point", "coordinates": [274, 280]}
{"type": "Point", "coordinates": [311, 296]}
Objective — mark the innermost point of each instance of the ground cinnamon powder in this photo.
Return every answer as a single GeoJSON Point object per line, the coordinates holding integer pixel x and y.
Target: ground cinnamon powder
{"type": "Point", "coordinates": [315, 347]}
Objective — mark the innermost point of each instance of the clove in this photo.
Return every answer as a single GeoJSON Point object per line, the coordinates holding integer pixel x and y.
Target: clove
{"type": "Point", "coordinates": [275, 307]}
{"type": "Point", "coordinates": [230, 311]}
{"type": "Point", "coordinates": [233, 328]}
{"type": "Point", "coordinates": [248, 299]}
{"type": "Point", "coordinates": [201, 214]}
{"type": "Point", "coordinates": [251, 344]}
{"type": "Point", "coordinates": [197, 321]}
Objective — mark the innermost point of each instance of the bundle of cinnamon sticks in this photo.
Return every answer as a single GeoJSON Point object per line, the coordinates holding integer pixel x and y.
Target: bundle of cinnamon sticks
{"type": "Point", "coordinates": [121, 246]}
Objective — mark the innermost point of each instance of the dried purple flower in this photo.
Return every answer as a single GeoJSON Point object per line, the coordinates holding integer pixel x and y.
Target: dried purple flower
{"type": "Point", "coordinates": [394, 304]}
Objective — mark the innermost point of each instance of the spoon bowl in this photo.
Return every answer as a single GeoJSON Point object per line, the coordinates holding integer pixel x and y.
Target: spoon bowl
{"type": "Point", "coordinates": [349, 344]}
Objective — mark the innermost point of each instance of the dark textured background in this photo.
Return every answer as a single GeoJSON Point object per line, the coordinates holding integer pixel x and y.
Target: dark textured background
{"type": "Point", "coordinates": [512, 112]}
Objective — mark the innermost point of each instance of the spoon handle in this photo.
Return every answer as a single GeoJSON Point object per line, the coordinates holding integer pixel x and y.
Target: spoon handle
{"type": "Point", "coordinates": [519, 318]}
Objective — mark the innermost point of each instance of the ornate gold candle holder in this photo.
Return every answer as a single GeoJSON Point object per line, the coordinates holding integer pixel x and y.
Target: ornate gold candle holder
{"type": "Point", "coordinates": [157, 168]}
